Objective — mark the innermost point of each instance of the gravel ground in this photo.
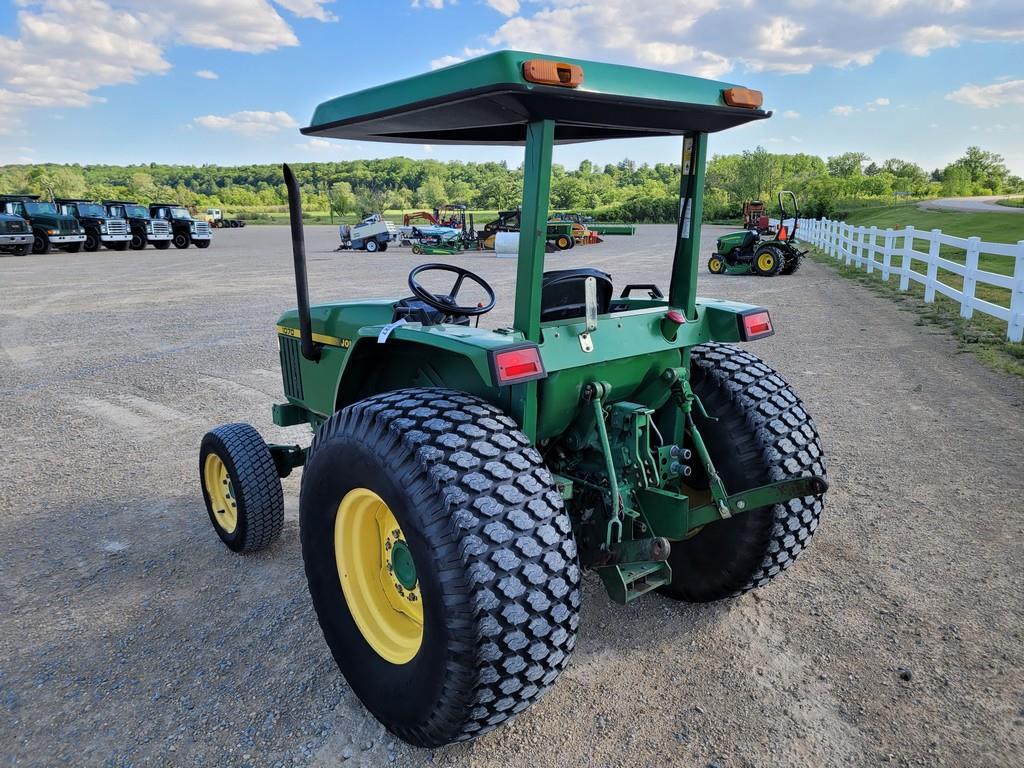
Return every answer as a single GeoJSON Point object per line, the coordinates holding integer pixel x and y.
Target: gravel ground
{"type": "Point", "coordinates": [131, 636]}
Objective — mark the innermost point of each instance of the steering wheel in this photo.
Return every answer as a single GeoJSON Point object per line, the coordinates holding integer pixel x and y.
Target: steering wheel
{"type": "Point", "coordinates": [446, 302]}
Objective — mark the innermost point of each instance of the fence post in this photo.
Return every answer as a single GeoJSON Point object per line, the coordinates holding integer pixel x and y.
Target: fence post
{"type": "Point", "coordinates": [887, 254]}
{"type": "Point", "coordinates": [872, 248]}
{"type": "Point", "coordinates": [933, 266]}
{"type": "Point", "coordinates": [861, 231]}
{"type": "Point", "coordinates": [836, 239]}
{"type": "Point", "coordinates": [847, 243]}
{"type": "Point", "coordinates": [1015, 328]}
{"type": "Point", "coordinates": [970, 277]}
{"type": "Point", "coordinates": [908, 249]}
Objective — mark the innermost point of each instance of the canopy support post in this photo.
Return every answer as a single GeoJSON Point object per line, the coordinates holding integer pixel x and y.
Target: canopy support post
{"type": "Point", "coordinates": [540, 138]}
{"type": "Point", "coordinates": [686, 262]}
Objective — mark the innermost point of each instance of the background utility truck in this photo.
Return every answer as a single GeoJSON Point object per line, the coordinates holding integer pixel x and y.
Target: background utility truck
{"type": "Point", "coordinates": [143, 228]}
{"type": "Point", "coordinates": [15, 234]}
{"type": "Point", "coordinates": [186, 231]}
{"type": "Point", "coordinates": [50, 227]}
{"type": "Point", "coordinates": [100, 228]}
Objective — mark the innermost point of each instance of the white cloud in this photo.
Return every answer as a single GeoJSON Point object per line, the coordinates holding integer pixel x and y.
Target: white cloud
{"type": "Point", "coordinates": [207, 74]}
{"type": "Point", "coordinates": [988, 96]}
{"type": "Point", "coordinates": [434, 4]}
{"type": "Point", "coordinates": [881, 101]}
{"type": "Point", "coordinates": [248, 122]}
{"type": "Point", "coordinates": [309, 9]}
{"type": "Point", "coordinates": [843, 110]}
{"type": "Point", "coordinates": [704, 37]}
{"type": "Point", "coordinates": [447, 61]}
{"type": "Point", "coordinates": [505, 7]}
{"type": "Point", "coordinates": [63, 51]}
{"type": "Point", "coordinates": [921, 41]}
{"type": "Point", "coordinates": [791, 114]}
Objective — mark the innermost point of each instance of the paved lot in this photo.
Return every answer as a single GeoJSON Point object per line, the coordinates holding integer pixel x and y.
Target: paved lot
{"type": "Point", "coordinates": [130, 635]}
{"type": "Point", "coordinates": [985, 203]}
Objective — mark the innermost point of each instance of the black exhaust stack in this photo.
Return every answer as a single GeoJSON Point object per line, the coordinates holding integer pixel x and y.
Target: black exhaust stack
{"type": "Point", "coordinates": [310, 350]}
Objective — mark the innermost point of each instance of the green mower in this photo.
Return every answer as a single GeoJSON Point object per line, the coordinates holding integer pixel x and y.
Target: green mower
{"type": "Point", "coordinates": [460, 478]}
{"type": "Point", "coordinates": [740, 253]}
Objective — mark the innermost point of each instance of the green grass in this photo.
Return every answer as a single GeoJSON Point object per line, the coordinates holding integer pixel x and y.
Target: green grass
{"type": "Point", "coordinates": [982, 335]}
{"type": "Point", "coordinates": [990, 227]}
{"type": "Point", "coordinates": [993, 227]}
{"type": "Point", "coordinates": [1012, 202]}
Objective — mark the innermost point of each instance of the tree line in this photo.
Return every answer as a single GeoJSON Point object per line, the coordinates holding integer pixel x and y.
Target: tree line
{"type": "Point", "coordinates": [627, 190]}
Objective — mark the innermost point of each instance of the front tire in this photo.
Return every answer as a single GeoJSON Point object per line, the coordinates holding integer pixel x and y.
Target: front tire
{"type": "Point", "coordinates": [563, 242]}
{"type": "Point", "coordinates": [161, 245]}
{"type": "Point", "coordinates": [371, 246]}
{"type": "Point", "coordinates": [182, 240]}
{"type": "Point", "coordinates": [716, 265]}
{"type": "Point", "coordinates": [21, 250]}
{"type": "Point", "coordinates": [92, 240]}
{"type": "Point", "coordinates": [763, 434]}
{"type": "Point", "coordinates": [492, 552]}
{"type": "Point", "coordinates": [139, 240]}
{"type": "Point", "coordinates": [241, 487]}
{"type": "Point", "coordinates": [201, 243]}
{"type": "Point", "coordinates": [40, 244]}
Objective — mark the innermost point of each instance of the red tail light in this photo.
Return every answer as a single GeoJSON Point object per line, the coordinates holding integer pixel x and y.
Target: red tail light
{"type": "Point", "coordinates": [516, 365]}
{"type": "Point", "coordinates": [755, 324]}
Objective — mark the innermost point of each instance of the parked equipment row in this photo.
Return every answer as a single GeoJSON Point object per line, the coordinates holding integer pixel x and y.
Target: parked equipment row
{"type": "Point", "coordinates": [30, 224]}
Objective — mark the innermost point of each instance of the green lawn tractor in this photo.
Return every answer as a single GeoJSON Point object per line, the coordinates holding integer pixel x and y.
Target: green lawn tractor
{"type": "Point", "coordinates": [460, 479]}
{"type": "Point", "coordinates": [740, 253]}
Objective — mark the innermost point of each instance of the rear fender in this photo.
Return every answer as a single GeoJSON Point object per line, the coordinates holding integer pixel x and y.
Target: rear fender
{"type": "Point", "coordinates": [422, 357]}
{"type": "Point", "coordinates": [725, 318]}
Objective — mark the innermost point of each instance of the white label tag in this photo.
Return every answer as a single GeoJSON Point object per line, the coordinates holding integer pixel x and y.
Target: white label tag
{"type": "Point", "coordinates": [387, 329]}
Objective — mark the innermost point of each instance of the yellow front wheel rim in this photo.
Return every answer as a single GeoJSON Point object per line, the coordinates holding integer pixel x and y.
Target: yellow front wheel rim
{"type": "Point", "coordinates": [766, 261]}
{"type": "Point", "coordinates": [221, 493]}
{"type": "Point", "coordinates": [716, 265]}
{"type": "Point", "coordinates": [378, 576]}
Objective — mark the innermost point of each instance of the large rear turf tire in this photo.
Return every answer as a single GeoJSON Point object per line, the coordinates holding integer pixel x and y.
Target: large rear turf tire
{"type": "Point", "coordinates": [241, 487]}
{"type": "Point", "coordinates": [763, 434]}
{"type": "Point", "coordinates": [491, 601]}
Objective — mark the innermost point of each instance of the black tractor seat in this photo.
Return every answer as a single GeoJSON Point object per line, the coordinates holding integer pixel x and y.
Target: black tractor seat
{"type": "Point", "coordinates": [563, 294]}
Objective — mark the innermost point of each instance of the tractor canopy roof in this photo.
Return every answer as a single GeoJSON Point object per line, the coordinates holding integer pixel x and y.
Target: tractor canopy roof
{"type": "Point", "coordinates": [490, 100]}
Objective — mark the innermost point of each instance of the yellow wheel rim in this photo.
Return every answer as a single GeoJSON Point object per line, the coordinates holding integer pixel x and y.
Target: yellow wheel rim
{"type": "Point", "coordinates": [378, 576]}
{"type": "Point", "coordinates": [716, 265]}
{"type": "Point", "coordinates": [221, 493]}
{"type": "Point", "coordinates": [766, 261]}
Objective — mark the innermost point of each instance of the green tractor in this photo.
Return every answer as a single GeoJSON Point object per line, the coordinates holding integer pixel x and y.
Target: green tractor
{"type": "Point", "coordinates": [740, 253]}
{"type": "Point", "coordinates": [460, 479]}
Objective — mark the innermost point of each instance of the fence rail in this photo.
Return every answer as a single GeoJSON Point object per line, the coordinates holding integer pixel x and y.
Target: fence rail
{"type": "Point", "coordinates": [893, 252]}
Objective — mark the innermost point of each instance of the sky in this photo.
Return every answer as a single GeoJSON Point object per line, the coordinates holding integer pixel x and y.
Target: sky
{"type": "Point", "coordinates": [231, 81]}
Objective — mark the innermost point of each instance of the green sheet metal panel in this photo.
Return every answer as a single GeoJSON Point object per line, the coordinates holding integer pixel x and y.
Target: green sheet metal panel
{"type": "Point", "coordinates": [487, 100]}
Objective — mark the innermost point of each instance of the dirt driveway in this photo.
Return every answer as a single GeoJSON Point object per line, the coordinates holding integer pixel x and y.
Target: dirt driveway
{"type": "Point", "coordinates": [130, 636]}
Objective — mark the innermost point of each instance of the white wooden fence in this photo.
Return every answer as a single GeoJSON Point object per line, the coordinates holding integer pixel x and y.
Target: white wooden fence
{"type": "Point", "coordinates": [892, 252]}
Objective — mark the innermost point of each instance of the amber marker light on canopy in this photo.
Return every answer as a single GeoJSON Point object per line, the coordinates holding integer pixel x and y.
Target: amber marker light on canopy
{"type": "Point", "coordinates": [552, 73]}
{"type": "Point", "coordinates": [743, 97]}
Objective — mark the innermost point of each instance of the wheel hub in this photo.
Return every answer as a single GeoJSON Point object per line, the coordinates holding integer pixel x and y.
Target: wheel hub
{"type": "Point", "coordinates": [402, 565]}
